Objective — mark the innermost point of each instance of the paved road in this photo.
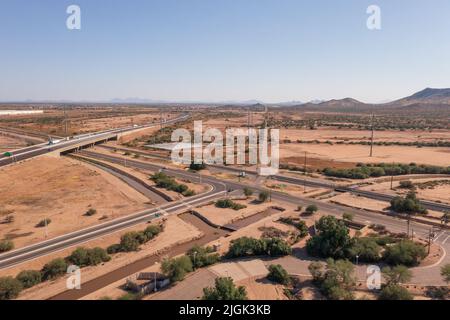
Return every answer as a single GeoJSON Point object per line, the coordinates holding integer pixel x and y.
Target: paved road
{"type": "Point", "coordinates": [392, 223]}
{"type": "Point", "coordinates": [314, 183]}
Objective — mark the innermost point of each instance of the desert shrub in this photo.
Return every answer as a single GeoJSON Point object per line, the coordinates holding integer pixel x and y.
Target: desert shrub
{"type": "Point", "coordinates": [278, 274]}
{"type": "Point", "coordinates": [88, 257]}
{"type": "Point", "coordinates": [114, 248]}
{"type": "Point", "coordinates": [9, 288]}
{"type": "Point", "coordinates": [6, 245]}
{"type": "Point", "coordinates": [300, 225]}
{"type": "Point", "coordinates": [29, 278]}
{"type": "Point", "coordinates": [311, 209]}
{"type": "Point", "coordinates": [90, 212]}
{"type": "Point", "coordinates": [406, 184]}
{"type": "Point", "coordinates": [227, 203]}
{"type": "Point", "coordinates": [394, 292]}
{"type": "Point", "coordinates": [54, 269]}
{"type": "Point", "coordinates": [264, 196]}
{"type": "Point", "coordinates": [43, 223]}
{"type": "Point", "coordinates": [248, 192]}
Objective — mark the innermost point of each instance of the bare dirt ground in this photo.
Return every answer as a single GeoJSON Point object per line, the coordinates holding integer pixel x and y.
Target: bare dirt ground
{"type": "Point", "coordinates": [371, 204]}
{"type": "Point", "coordinates": [9, 143]}
{"type": "Point", "coordinates": [83, 120]}
{"type": "Point", "coordinates": [222, 217]}
{"type": "Point", "coordinates": [332, 134]}
{"type": "Point", "coordinates": [261, 289]}
{"type": "Point", "coordinates": [440, 192]}
{"type": "Point", "coordinates": [176, 231]}
{"type": "Point", "coordinates": [358, 153]}
{"type": "Point", "coordinates": [61, 190]}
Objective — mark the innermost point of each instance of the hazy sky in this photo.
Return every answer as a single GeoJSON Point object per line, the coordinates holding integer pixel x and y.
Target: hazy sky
{"type": "Point", "coordinates": [214, 50]}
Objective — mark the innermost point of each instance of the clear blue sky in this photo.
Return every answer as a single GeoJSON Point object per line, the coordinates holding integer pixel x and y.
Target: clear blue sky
{"type": "Point", "coordinates": [213, 50]}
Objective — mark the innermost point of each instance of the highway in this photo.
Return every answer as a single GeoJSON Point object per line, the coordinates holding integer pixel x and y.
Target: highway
{"type": "Point", "coordinates": [315, 183]}
{"type": "Point", "coordinates": [34, 251]}
{"type": "Point", "coordinates": [35, 151]}
{"type": "Point", "coordinates": [393, 223]}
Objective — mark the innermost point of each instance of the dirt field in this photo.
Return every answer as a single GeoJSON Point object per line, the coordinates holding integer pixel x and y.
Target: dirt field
{"type": "Point", "coordinates": [9, 143]}
{"type": "Point", "coordinates": [357, 153]}
{"type": "Point", "coordinates": [61, 190]}
{"type": "Point", "coordinates": [348, 135]}
{"type": "Point", "coordinates": [82, 120]}
{"type": "Point", "coordinates": [222, 217]}
{"type": "Point", "coordinates": [439, 192]}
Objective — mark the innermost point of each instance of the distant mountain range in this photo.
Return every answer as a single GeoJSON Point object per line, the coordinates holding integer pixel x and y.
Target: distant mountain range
{"type": "Point", "coordinates": [428, 96]}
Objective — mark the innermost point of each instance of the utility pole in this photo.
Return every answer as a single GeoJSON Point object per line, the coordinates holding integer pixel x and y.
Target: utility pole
{"type": "Point", "coordinates": [304, 166]}
{"type": "Point", "coordinates": [65, 120]}
{"type": "Point", "coordinates": [392, 181]}
{"type": "Point", "coordinates": [408, 224]}
{"type": "Point", "coordinates": [371, 139]}
{"type": "Point", "coordinates": [429, 241]}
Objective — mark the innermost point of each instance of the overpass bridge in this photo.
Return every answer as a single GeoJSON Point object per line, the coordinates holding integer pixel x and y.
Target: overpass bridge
{"type": "Point", "coordinates": [79, 142]}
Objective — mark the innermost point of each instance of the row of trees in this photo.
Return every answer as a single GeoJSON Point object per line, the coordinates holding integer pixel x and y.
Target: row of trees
{"type": "Point", "coordinates": [332, 240]}
{"type": "Point", "coordinates": [131, 241]}
{"type": "Point", "coordinates": [364, 171]}
{"type": "Point", "coordinates": [246, 246]}
{"type": "Point", "coordinates": [164, 181]}
{"type": "Point", "coordinates": [11, 287]}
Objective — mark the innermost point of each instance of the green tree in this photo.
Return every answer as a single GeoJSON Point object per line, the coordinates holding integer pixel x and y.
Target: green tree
{"type": "Point", "coordinates": [366, 249]}
{"type": "Point", "coordinates": [396, 275]}
{"type": "Point", "coordinates": [246, 246]}
{"type": "Point", "coordinates": [332, 239]}
{"type": "Point", "coordinates": [9, 288]}
{"type": "Point", "coordinates": [278, 274]}
{"type": "Point", "coordinates": [29, 278]}
{"type": "Point", "coordinates": [406, 252]}
{"type": "Point", "coordinates": [336, 280]}
{"type": "Point", "coordinates": [224, 289]}
{"type": "Point", "coordinates": [131, 241]}
{"type": "Point", "coordinates": [177, 268]}
{"type": "Point", "coordinates": [394, 292]}
{"type": "Point", "coordinates": [445, 273]}
{"type": "Point", "coordinates": [202, 256]}
{"type": "Point", "coordinates": [6, 245]}
{"type": "Point", "coordinates": [54, 269]}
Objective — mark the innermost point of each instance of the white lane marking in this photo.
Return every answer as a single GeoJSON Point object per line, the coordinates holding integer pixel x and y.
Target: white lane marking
{"type": "Point", "coordinates": [438, 236]}
{"type": "Point", "coordinates": [443, 242]}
